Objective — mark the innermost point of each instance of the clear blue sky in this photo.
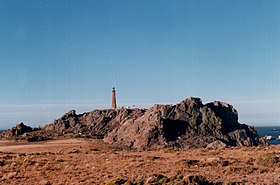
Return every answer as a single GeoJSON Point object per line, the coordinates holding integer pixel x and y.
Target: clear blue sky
{"type": "Point", "coordinates": [57, 55]}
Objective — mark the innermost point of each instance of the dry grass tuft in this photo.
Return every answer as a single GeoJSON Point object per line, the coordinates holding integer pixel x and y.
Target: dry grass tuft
{"type": "Point", "coordinates": [267, 160]}
{"type": "Point", "coordinates": [94, 162]}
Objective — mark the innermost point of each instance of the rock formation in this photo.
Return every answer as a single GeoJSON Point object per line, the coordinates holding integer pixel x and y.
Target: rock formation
{"type": "Point", "coordinates": [18, 130]}
{"type": "Point", "coordinates": [187, 124]}
{"type": "Point", "coordinates": [97, 123]}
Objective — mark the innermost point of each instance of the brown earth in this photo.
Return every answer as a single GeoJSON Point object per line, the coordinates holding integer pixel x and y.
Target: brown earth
{"type": "Point", "coordinates": [84, 161]}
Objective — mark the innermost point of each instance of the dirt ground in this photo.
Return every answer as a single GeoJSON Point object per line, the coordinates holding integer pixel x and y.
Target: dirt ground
{"type": "Point", "coordinates": [81, 161]}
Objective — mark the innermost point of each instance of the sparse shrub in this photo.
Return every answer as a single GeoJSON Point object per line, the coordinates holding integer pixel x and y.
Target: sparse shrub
{"type": "Point", "coordinates": [157, 179]}
{"type": "Point", "coordinates": [264, 170]}
{"type": "Point", "coordinates": [251, 170]}
{"type": "Point", "coordinates": [240, 169]}
{"type": "Point", "coordinates": [94, 149]}
{"type": "Point", "coordinates": [36, 138]}
{"type": "Point", "coordinates": [232, 169]}
{"type": "Point", "coordinates": [232, 183]}
{"type": "Point", "coordinates": [225, 163]}
{"type": "Point", "coordinates": [189, 162]}
{"type": "Point", "coordinates": [215, 161]}
{"type": "Point", "coordinates": [152, 158]}
{"type": "Point", "coordinates": [45, 182]}
{"type": "Point", "coordinates": [116, 182]}
{"type": "Point", "coordinates": [267, 160]}
{"type": "Point", "coordinates": [250, 161]}
{"type": "Point", "coordinates": [197, 179]}
{"type": "Point", "coordinates": [139, 182]}
{"type": "Point", "coordinates": [28, 161]}
{"type": "Point", "coordinates": [2, 163]}
{"type": "Point", "coordinates": [74, 151]}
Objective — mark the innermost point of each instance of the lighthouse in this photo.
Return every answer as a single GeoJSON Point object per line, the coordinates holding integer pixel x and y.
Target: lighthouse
{"type": "Point", "coordinates": [114, 101]}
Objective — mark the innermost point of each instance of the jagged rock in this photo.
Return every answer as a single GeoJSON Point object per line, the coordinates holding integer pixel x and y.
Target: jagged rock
{"type": "Point", "coordinates": [18, 130]}
{"type": "Point", "coordinates": [186, 124]}
{"type": "Point", "coordinates": [96, 123]}
{"type": "Point", "coordinates": [66, 121]}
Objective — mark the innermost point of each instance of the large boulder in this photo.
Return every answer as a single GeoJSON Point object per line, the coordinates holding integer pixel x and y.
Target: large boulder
{"type": "Point", "coordinates": [216, 145]}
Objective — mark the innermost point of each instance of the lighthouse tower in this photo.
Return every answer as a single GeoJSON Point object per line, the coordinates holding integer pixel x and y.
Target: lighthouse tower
{"type": "Point", "coordinates": [114, 101]}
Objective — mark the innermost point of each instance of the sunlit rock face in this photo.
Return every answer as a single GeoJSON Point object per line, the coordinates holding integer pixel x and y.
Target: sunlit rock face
{"type": "Point", "coordinates": [186, 125]}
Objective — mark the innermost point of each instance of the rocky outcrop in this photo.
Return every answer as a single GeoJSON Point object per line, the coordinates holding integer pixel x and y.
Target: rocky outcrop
{"type": "Point", "coordinates": [187, 124]}
{"type": "Point", "coordinates": [18, 130]}
{"type": "Point", "coordinates": [97, 123]}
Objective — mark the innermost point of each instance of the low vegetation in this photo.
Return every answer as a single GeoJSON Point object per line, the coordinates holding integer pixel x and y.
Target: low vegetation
{"type": "Point", "coordinates": [81, 161]}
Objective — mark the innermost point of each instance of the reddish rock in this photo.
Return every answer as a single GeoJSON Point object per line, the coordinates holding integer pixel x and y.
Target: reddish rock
{"type": "Point", "coordinates": [186, 124]}
{"type": "Point", "coordinates": [18, 130]}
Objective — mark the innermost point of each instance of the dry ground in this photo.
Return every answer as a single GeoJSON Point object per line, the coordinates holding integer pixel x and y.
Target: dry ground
{"type": "Point", "coordinates": [79, 161]}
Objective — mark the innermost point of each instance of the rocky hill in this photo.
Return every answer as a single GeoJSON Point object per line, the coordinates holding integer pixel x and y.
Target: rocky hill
{"type": "Point", "coordinates": [17, 130]}
{"type": "Point", "coordinates": [187, 124]}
